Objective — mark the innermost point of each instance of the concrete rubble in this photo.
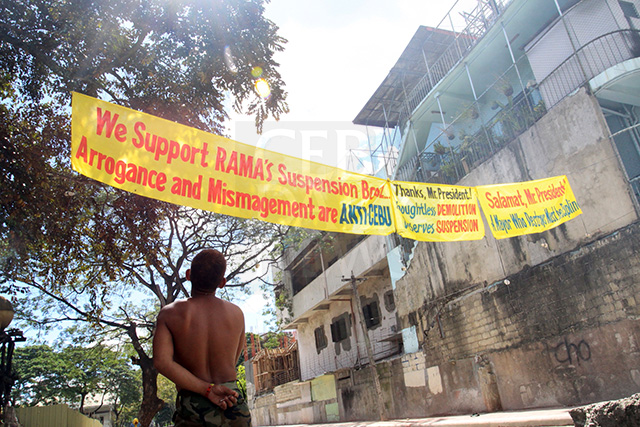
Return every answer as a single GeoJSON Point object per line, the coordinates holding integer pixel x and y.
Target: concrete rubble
{"type": "Point", "coordinates": [616, 413]}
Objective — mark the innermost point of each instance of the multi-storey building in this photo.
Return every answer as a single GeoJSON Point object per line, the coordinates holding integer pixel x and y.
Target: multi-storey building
{"type": "Point", "coordinates": [507, 91]}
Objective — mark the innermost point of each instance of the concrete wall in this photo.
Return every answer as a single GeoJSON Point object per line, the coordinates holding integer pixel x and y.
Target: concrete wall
{"type": "Point", "coordinates": [263, 410]}
{"type": "Point", "coordinates": [561, 332]}
{"type": "Point", "coordinates": [360, 259]}
{"type": "Point", "coordinates": [351, 351]}
{"type": "Point", "coordinates": [297, 402]}
{"type": "Point", "coordinates": [571, 140]}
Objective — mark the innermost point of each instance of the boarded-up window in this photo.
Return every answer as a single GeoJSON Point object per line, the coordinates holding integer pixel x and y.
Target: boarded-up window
{"type": "Point", "coordinates": [321, 339]}
{"type": "Point", "coordinates": [339, 330]}
{"type": "Point", "coordinates": [389, 301]}
{"type": "Point", "coordinates": [371, 314]}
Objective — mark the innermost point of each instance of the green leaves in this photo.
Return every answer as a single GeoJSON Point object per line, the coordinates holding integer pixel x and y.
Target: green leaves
{"type": "Point", "coordinates": [71, 375]}
{"type": "Point", "coordinates": [89, 252]}
{"type": "Point", "coordinates": [167, 58]}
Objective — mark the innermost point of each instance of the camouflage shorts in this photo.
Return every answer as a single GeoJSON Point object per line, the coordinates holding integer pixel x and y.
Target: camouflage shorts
{"type": "Point", "coordinates": [195, 410]}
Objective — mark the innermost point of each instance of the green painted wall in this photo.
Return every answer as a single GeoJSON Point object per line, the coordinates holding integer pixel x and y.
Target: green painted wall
{"type": "Point", "coordinates": [323, 388]}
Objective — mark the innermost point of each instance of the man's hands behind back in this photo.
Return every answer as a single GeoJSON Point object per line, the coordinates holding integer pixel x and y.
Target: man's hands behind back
{"type": "Point", "coordinates": [222, 396]}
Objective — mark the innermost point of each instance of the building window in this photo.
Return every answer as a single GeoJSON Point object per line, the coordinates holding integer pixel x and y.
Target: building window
{"type": "Point", "coordinates": [371, 314]}
{"type": "Point", "coordinates": [629, 9]}
{"type": "Point", "coordinates": [339, 329]}
{"type": "Point", "coordinates": [321, 339]}
{"type": "Point", "coordinates": [389, 301]}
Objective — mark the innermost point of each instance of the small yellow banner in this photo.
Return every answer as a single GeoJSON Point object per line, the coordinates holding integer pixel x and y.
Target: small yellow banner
{"type": "Point", "coordinates": [167, 161]}
{"type": "Point", "coordinates": [436, 213]}
{"type": "Point", "coordinates": [527, 207]}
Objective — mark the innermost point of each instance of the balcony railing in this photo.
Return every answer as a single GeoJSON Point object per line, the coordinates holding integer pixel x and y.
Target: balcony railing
{"type": "Point", "coordinates": [477, 23]}
{"type": "Point", "coordinates": [448, 164]}
{"type": "Point", "coordinates": [588, 61]}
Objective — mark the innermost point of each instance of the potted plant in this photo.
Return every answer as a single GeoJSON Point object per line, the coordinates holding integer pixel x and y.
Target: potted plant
{"type": "Point", "coordinates": [504, 87]}
{"type": "Point", "coordinates": [449, 132]}
{"type": "Point", "coordinates": [470, 112]}
{"type": "Point", "coordinates": [438, 148]}
{"type": "Point", "coordinates": [466, 148]}
{"type": "Point", "coordinates": [448, 171]}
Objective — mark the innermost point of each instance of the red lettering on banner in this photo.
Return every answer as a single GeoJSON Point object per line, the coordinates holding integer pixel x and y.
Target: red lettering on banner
{"type": "Point", "coordinates": [160, 146]}
{"type": "Point", "coordinates": [243, 165]}
{"type": "Point", "coordinates": [110, 123]}
{"type": "Point", "coordinates": [218, 193]}
{"type": "Point", "coordinates": [187, 188]}
{"type": "Point", "coordinates": [457, 209]}
{"type": "Point", "coordinates": [502, 202]}
{"type": "Point", "coordinates": [371, 192]}
{"type": "Point", "coordinates": [82, 149]}
{"type": "Point", "coordinates": [328, 214]}
{"type": "Point", "coordinates": [457, 226]}
{"type": "Point", "coordinates": [321, 185]}
{"type": "Point", "coordinates": [551, 193]}
{"type": "Point", "coordinates": [120, 170]}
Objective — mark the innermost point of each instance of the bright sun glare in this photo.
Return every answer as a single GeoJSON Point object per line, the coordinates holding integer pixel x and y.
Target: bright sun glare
{"type": "Point", "coordinates": [262, 87]}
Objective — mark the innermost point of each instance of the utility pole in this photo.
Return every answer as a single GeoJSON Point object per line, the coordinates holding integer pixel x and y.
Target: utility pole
{"type": "Point", "coordinates": [372, 364]}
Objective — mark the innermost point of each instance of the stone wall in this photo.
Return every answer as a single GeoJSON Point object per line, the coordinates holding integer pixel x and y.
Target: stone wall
{"type": "Point", "coordinates": [542, 336]}
{"type": "Point", "coordinates": [263, 410]}
{"type": "Point", "coordinates": [563, 333]}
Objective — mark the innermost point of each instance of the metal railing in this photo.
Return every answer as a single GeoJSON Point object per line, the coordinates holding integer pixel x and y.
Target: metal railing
{"type": "Point", "coordinates": [384, 347]}
{"type": "Point", "coordinates": [521, 112]}
{"type": "Point", "coordinates": [588, 61]}
{"type": "Point", "coordinates": [478, 22]}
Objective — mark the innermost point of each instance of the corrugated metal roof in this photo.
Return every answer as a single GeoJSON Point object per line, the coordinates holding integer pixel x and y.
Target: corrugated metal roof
{"type": "Point", "coordinates": [384, 107]}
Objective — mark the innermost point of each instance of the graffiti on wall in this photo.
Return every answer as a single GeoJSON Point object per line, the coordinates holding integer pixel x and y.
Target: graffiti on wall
{"type": "Point", "coordinates": [569, 352]}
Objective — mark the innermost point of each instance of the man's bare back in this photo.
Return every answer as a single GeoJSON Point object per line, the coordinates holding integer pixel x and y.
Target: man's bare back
{"type": "Point", "coordinates": [208, 336]}
{"type": "Point", "coordinates": [198, 341]}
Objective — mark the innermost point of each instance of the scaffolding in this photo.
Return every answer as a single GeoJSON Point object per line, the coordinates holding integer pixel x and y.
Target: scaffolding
{"type": "Point", "coordinates": [273, 367]}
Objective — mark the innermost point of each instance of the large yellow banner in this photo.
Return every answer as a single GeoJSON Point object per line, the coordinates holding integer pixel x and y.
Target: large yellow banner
{"type": "Point", "coordinates": [436, 213]}
{"type": "Point", "coordinates": [527, 207]}
{"type": "Point", "coordinates": [164, 160]}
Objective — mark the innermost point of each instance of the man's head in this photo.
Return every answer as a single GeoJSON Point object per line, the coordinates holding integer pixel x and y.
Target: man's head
{"type": "Point", "coordinates": [207, 271]}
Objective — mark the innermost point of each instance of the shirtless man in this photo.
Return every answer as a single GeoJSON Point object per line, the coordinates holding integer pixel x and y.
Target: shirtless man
{"type": "Point", "coordinates": [197, 344]}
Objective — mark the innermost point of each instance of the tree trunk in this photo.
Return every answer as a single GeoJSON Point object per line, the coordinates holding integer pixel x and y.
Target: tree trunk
{"type": "Point", "coordinates": [82, 397]}
{"type": "Point", "coordinates": [151, 404]}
